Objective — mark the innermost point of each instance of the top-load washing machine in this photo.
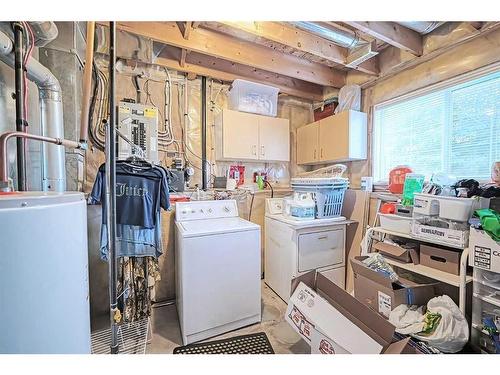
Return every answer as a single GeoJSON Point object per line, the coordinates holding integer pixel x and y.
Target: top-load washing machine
{"type": "Point", "coordinates": [218, 261]}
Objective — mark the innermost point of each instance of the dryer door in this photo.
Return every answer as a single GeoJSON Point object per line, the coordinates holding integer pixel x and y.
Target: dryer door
{"type": "Point", "coordinates": [320, 249]}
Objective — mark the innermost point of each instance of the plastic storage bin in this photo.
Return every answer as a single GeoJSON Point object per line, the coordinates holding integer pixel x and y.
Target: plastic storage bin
{"type": "Point", "coordinates": [395, 223]}
{"type": "Point", "coordinates": [253, 97]}
{"type": "Point", "coordinates": [329, 197]}
{"type": "Point", "coordinates": [488, 278]}
{"type": "Point", "coordinates": [452, 208]}
{"type": "Point", "coordinates": [485, 307]}
{"type": "Point", "coordinates": [485, 290]}
{"type": "Point", "coordinates": [482, 341]}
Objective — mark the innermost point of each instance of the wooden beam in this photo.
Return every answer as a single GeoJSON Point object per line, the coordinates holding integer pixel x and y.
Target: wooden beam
{"type": "Point", "coordinates": [291, 37]}
{"type": "Point", "coordinates": [227, 71]}
{"type": "Point", "coordinates": [228, 48]}
{"type": "Point", "coordinates": [391, 33]}
{"type": "Point", "coordinates": [187, 30]}
{"type": "Point", "coordinates": [182, 61]}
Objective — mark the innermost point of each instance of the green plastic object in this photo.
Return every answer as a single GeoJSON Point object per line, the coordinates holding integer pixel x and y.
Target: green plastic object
{"type": "Point", "coordinates": [260, 182]}
{"type": "Point", "coordinates": [414, 183]}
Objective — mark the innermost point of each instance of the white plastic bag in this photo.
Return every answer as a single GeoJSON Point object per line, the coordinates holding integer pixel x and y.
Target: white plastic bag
{"type": "Point", "coordinates": [451, 333]}
{"type": "Point", "coordinates": [349, 98]}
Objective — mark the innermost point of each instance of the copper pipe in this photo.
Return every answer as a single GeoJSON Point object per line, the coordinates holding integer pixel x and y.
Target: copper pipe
{"type": "Point", "coordinates": [87, 82]}
{"type": "Point", "coordinates": [4, 138]}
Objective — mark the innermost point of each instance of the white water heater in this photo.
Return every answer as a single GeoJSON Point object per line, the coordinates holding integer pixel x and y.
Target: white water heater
{"type": "Point", "coordinates": [44, 288]}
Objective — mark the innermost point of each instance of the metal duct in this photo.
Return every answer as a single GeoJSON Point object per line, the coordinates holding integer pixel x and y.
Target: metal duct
{"type": "Point", "coordinates": [343, 38]}
{"type": "Point", "coordinates": [51, 114]}
{"type": "Point", "coordinates": [421, 27]}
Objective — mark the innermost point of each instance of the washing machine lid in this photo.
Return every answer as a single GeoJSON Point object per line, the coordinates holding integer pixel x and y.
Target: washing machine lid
{"type": "Point", "coordinates": [195, 228]}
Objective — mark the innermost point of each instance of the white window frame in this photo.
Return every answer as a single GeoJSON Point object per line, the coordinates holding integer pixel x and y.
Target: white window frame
{"type": "Point", "coordinates": [460, 79]}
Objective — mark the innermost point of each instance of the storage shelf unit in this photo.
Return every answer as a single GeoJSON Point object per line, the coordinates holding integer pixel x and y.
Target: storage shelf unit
{"type": "Point", "coordinates": [459, 281]}
{"type": "Point", "coordinates": [433, 273]}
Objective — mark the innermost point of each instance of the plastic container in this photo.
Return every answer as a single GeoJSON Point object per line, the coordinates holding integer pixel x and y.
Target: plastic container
{"type": "Point", "coordinates": [451, 208]}
{"type": "Point", "coordinates": [302, 206]}
{"type": "Point", "coordinates": [253, 97]}
{"type": "Point", "coordinates": [482, 341]}
{"type": "Point", "coordinates": [484, 307]}
{"type": "Point", "coordinates": [484, 290]}
{"type": "Point", "coordinates": [488, 278]}
{"type": "Point", "coordinates": [327, 193]}
{"type": "Point", "coordinates": [395, 223]}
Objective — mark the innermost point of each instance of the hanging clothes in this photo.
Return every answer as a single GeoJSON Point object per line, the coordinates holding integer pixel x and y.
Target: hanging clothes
{"type": "Point", "coordinates": [136, 281]}
{"type": "Point", "coordinates": [141, 192]}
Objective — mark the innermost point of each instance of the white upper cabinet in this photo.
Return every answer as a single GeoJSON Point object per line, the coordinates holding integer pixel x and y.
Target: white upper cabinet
{"type": "Point", "coordinates": [246, 136]}
{"type": "Point", "coordinates": [338, 138]}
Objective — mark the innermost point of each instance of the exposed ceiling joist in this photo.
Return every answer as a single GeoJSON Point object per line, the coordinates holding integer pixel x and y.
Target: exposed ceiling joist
{"type": "Point", "coordinates": [391, 33]}
{"type": "Point", "coordinates": [223, 46]}
{"type": "Point", "coordinates": [291, 37]}
{"type": "Point", "coordinates": [286, 85]}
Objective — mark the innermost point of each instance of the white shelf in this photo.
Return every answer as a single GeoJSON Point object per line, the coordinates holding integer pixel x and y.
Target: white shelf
{"type": "Point", "coordinates": [406, 235]}
{"type": "Point", "coordinates": [433, 273]}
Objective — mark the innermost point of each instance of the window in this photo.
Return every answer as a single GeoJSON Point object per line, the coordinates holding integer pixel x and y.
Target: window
{"type": "Point", "coordinates": [454, 129]}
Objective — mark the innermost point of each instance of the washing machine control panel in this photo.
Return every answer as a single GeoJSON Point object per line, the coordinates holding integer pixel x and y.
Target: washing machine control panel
{"type": "Point", "coordinates": [205, 210]}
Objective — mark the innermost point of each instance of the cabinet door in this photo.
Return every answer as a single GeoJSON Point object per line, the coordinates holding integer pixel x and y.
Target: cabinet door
{"type": "Point", "coordinates": [240, 135]}
{"type": "Point", "coordinates": [334, 137]}
{"type": "Point", "coordinates": [343, 137]}
{"type": "Point", "coordinates": [274, 139]}
{"type": "Point", "coordinates": [307, 143]}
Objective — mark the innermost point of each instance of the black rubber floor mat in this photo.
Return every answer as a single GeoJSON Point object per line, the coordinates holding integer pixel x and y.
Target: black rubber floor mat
{"type": "Point", "coordinates": [256, 343]}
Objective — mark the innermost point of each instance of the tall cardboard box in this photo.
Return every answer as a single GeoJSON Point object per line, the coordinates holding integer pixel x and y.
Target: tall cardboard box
{"type": "Point", "coordinates": [331, 321]}
{"type": "Point", "coordinates": [484, 252]}
{"type": "Point", "coordinates": [381, 294]}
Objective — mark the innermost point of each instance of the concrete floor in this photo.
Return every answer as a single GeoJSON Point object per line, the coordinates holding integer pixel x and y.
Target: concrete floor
{"type": "Point", "coordinates": [167, 336]}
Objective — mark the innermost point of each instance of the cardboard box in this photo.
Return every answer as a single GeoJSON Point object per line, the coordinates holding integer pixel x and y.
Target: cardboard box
{"type": "Point", "coordinates": [381, 294]}
{"type": "Point", "coordinates": [332, 321]}
{"type": "Point", "coordinates": [405, 255]}
{"type": "Point", "coordinates": [429, 233]}
{"type": "Point", "coordinates": [441, 259]}
{"type": "Point", "coordinates": [484, 253]}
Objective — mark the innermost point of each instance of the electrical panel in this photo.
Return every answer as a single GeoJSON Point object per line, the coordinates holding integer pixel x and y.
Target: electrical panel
{"type": "Point", "coordinates": [139, 124]}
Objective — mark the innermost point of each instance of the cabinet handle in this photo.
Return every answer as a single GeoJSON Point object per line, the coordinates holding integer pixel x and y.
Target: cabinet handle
{"type": "Point", "coordinates": [322, 238]}
{"type": "Point", "coordinates": [314, 153]}
{"type": "Point", "coordinates": [321, 154]}
{"type": "Point", "coordinates": [254, 150]}
{"type": "Point", "coordinates": [262, 152]}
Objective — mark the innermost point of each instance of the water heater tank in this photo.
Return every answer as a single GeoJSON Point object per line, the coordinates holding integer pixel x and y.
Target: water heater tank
{"type": "Point", "coordinates": [44, 288]}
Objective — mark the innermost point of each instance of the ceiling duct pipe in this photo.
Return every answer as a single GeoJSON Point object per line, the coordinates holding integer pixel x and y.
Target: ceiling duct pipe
{"type": "Point", "coordinates": [343, 38]}
{"type": "Point", "coordinates": [51, 117]}
{"type": "Point", "coordinates": [421, 27]}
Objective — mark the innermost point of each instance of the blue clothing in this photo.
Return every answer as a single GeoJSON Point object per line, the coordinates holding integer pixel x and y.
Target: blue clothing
{"type": "Point", "coordinates": [140, 194]}
{"type": "Point", "coordinates": [133, 241]}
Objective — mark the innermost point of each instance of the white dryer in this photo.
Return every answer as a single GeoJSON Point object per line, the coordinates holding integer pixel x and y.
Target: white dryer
{"type": "Point", "coordinates": [217, 269]}
{"type": "Point", "coordinates": [294, 247]}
